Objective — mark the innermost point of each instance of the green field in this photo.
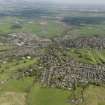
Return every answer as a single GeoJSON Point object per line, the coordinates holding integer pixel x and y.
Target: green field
{"type": "Point", "coordinates": [89, 30]}
{"type": "Point", "coordinates": [8, 69]}
{"type": "Point", "coordinates": [44, 28]}
{"type": "Point", "coordinates": [48, 28]}
{"type": "Point", "coordinates": [36, 95]}
{"type": "Point", "coordinates": [91, 56]}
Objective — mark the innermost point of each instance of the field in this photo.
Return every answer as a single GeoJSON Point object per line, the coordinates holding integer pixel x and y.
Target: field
{"type": "Point", "coordinates": [89, 30]}
{"type": "Point", "coordinates": [90, 56]}
{"type": "Point", "coordinates": [74, 24]}
{"type": "Point", "coordinates": [24, 93]}
{"type": "Point", "coordinates": [40, 27]}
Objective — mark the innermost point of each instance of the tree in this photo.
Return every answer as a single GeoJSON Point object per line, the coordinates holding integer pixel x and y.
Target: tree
{"type": "Point", "coordinates": [83, 84]}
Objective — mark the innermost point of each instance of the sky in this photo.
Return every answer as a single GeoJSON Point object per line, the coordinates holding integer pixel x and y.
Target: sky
{"type": "Point", "coordinates": [67, 1]}
{"type": "Point", "coordinates": [82, 1]}
{"type": "Point", "coordinates": [75, 1]}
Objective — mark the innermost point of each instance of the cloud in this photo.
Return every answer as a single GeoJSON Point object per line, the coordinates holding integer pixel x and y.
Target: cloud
{"type": "Point", "coordinates": [65, 1]}
{"type": "Point", "coordinates": [77, 1]}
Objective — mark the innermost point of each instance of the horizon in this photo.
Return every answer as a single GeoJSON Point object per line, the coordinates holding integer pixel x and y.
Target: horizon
{"type": "Point", "coordinates": [72, 2]}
